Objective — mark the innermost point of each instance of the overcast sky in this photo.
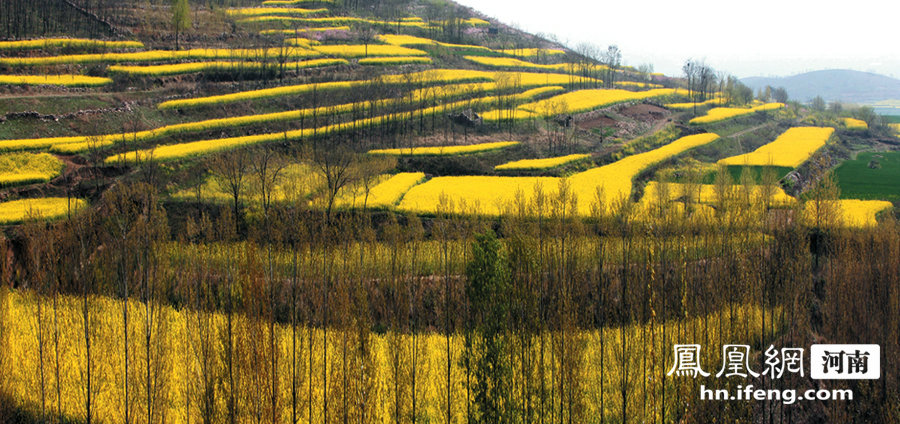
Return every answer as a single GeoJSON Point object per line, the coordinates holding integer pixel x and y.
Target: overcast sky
{"type": "Point", "coordinates": [745, 38]}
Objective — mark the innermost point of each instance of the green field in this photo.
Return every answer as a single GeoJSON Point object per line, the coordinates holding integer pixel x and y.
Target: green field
{"type": "Point", "coordinates": [858, 181]}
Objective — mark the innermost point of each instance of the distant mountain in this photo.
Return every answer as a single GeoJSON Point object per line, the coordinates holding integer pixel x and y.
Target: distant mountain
{"type": "Point", "coordinates": [834, 84]}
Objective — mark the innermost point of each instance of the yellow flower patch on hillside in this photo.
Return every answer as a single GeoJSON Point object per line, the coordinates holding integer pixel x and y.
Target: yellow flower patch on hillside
{"type": "Point", "coordinates": [790, 149]}
{"type": "Point", "coordinates": [723, 113]}
{"type": "Point", "coordinates": [44, 43]}
{"type": "Point", "coordinates": [445, 150]}
{"type": "Point", "coordinates": [545, 163]}
{"type": "Point", "coordinates": [361, 50]}
{"type": "Point", "coordinates": [18, 211]}
{"type": "Point", "coordinates": [63, 80]}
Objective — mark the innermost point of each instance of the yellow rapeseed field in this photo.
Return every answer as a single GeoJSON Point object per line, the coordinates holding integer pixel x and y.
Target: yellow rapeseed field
{"type": "Point", "coordinates": [45, 43]}
{"type": "Point", "coordinates": [521, 79]}
{"type": "Point", "coordinates": [385, 194]}
{"type": "Point", "coordinates": [545, 163]}
{"type": "Point", "coordinates": [191, 149]}
{"type": "Point", "coordinates": [790, 149]}
{"type": "Point", "coordinates": [531, 52]}
{"type": "Point", "coordinates": [17, 211]}
{"type": "Point", "coordinates": [445, 150]}
{"type": "Point", "coordinates": [64, 80]}
{"type": "Point", "coordinates": [192, 67]}
{"type": "Point", "coordinates": [263, 11]}
{"type": "Point", "coordinates": [27, 168]}
{"type": "Point", "coordinates": [706, 193]}
{"type": "Point", "coordinates": [490, 195]}
{"type": "Point", "coordinates": [304, 30]}
{"type": "Point", "coordinates": [334, 20]}
{"type": "Point", "coordinates": [585, 100]}
{"type": "Point", "coordinates": [160, 55]}
{"type": "Point", "coordinates": [393, 61]}
{"type": "Point", "coordinates": [411, 40]}
{"type": "Point", "coordinates": [615, 179]}
{"type": "Point", "coordinates": [361, 50]}
{"type": "Point", "coordinates": [722, 113]}
{"type": "Point", "coordinates": [508, 62]}
{"type": "Point", "coordinates": [852, 213]}
{"type": "Point", "coordinates": [76, 144]}
{"type": "Point", "coordinates": [188, 347]}
{"type": "Point", "coordinates": [485, 195]}
{"type": "Point", "coordinates": [637, 84]}
{"type": "Point", "coordinates": [855, 124]}
{"type": "Point", "coordinates": [688, 105]}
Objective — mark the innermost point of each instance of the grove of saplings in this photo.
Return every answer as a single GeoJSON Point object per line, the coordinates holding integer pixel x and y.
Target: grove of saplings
{"type": "Point", "coordinates": [288, 313]}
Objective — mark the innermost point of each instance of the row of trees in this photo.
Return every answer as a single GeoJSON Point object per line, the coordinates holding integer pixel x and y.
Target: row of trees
{"type": "Point", "coordinates": [319, 315]}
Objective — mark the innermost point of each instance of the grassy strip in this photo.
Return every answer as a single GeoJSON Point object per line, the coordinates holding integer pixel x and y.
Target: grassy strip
{"type": "Point", "coordinates": [872, 175]}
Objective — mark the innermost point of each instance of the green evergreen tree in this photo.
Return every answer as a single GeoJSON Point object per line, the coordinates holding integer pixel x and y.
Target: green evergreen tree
{"type": "Point", "coordinates": [181, 18]}
{"type": "Point", "coordinates": [487, 289]}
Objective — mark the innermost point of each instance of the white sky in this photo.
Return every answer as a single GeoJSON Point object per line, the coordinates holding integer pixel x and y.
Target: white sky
{"type": "Point", "coordinates": [745, 38]}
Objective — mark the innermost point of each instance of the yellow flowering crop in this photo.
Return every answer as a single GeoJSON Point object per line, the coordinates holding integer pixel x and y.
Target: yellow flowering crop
{"type": "Point", "coordinates": [637, 84]}
{"type": "Point", "coordinates": [359, 50]}
{"type": "Point", "coordinates": [160, 55]}
{"type": "Point", "coordinates": [790, 149]}
{"type": "Point", "coordinates": [508, 62]}
{"type": "Point", "coordinates": [855, 124]}
{"type": "Point", "coordinates": [385, 194]}
{"type": "Point", "coordinates": [397, 60]}
{"type": "Point", "coordinates": [192, 67]}
{"type": "Point", "coordinates": [303, 30]}
{"type": "Point", "coordinates": [524, 79]}
{"type": "Point", "coordinates": [486, 195]}
{"type": "Point", "coordinates": [851, 212]}
{"type": "Point", "coordinates": [43, 43]}
{"type": "Point", "coordinates": [585, 100]}
{"type": "Point", "coordinates": [545, 163]}
{"type": "Point", "coordinates": [706, 193]}
{"type": "Point", "coordinates": [688, 105]}
{"type": "Point", "coordinates": [75, 144]}
{"type": "Point", "coordinates": [265, 93]}
{"type": "Point", "coordinates": [195, 148]}
{"type": "Point", "coordinates": [490, 195]}
{"type": "Point", "coordinates": [722, 113]}
{"type": "Point", "coordinates": [445, 150]}
{"type": "Point", "coordinates": [302, 42]}
{"type": "Point", "coordinates": [64, 80]}
{"type": "Point", "coordinates": [27, 168]}
{"type": "Point", "coordinates": [410, 40]}
{"type": "Point", "coordinates": [531, 52]}
{"type": "Point", "coordinates": [263, 11]}
{"type": "Point", "coordinates": [18, 211]}
{"type": "Point", "coordinates": [895, 127]}
{"type": "Point", "coordinates": [333, 20]}
{"type": "Point", "coordinates": [615, 179]}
